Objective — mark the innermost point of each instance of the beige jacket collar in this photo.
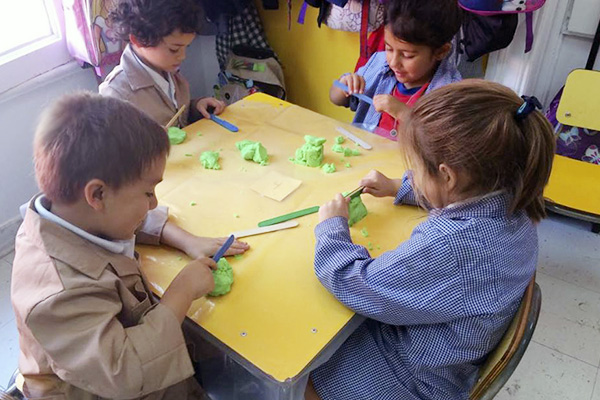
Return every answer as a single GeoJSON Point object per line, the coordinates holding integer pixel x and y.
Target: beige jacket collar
{"type": "Point", "coordinates": [66, 246]}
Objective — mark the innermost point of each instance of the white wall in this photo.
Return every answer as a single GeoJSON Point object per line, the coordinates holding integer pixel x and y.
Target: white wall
{"type": "Point", "coordinates": [543, 71]}
{"type": "Point", "coordinates": [20, 109]}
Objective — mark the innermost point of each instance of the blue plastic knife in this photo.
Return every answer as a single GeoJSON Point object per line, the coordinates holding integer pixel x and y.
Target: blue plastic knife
{"type": "Point", "coordinates": [224, 124]}
{"type": "Point", "coordinates": [223, 248]}
{"type": "Point", "coordinates": [360, 96]}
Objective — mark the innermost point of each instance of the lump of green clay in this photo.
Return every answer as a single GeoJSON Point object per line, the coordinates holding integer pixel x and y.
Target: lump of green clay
{"type": "Point", "coordinates": [351, 152]}
{"type": "Point", "coordinates": [328, 168]}
{"type": "Point", "coordinates": [364, 232]}
{"type": "Point", "coordinates": [340, 139]}
{"type": "Point", "coordinates": [223, 277]}
{"type": "Point", "coordinates": [253, 151]}
{"type": "Point", "coordinates": [210, 160]}
{"type": "Point", "coordinates": [176, 135]}
{"type": "Point", "coordinates": [311, 152]}
{"type": "Point", "coordinates": [356, 211]}
{"type": "Point", "coordinates": [346, 151]}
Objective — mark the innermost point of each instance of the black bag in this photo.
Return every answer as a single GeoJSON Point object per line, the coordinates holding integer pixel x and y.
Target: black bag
{"type": "Point", "coordinates": [484, 34]}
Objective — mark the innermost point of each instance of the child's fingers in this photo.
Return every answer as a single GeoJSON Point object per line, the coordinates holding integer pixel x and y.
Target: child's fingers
{"type": "Point", "coordinates": [207, 262]}
{"type": "Point", "coordinates": [357, 82]}
{"type": "Point", "coordinates": [219, 106]}
{"type": "Point", "coordinates": [203, 111]}
{"type": "Point", "coordinates": [362, 85]}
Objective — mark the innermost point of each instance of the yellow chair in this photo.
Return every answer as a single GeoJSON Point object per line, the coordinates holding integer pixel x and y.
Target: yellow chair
{"type": "Point", "coordinates": [503, 361]}
{"type": "Point", "coordinates": [573, 190]}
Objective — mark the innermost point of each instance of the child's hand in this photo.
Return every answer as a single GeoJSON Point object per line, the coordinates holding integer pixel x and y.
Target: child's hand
{"type": "Point", "coordinates": [338, 207]}
{"type": "Point", "coordinates": [356, 83]}
{"type": "Point", "coordinates": [391, 105]}
{"type": "Point", "coordinates": [198, 246]}
{"type": "Point", "coordinates": [203, 104]}
{"type": "Point", "coordinates": [192, 282]}
{"type": "Point", "coordinates": [380, 185]}
{"type": "Point", "coordinates": [198, 277]}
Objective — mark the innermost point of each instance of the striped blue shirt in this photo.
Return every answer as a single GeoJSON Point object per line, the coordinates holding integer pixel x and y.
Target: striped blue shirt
{"type": "Point", "coordinates": [436, 305]}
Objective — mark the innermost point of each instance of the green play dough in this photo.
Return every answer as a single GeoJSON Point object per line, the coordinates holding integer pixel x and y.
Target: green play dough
{"type": "Point", "coordinates": [328, 168]}
{"type": "Point", "coordinates": [351, 152]}
{"type": "Point", "coordinates": [311, 152]}
{"type": "Point", "coordinates": [253, 151]}
{"type": "Point", "coordinates": [356, 211]}
{"type": "Point", "coordinates": [210, 160]}
{"type": "Point", "coordinates": [338, 148]}
{"type": "Point", "coordinates": [346, 151]}
{"type": "Point", "coordinates": [340, 139]}
{"type": "Point", "coordinates": [223, 276]}
{"type": "Point", "coordinates": [176, 135]}
{"type": "Point", "coordinates": [364, 232]}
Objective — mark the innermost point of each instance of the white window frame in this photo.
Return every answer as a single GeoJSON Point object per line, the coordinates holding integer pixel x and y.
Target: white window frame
{"type": "Point", "coordinates": [38, 57]}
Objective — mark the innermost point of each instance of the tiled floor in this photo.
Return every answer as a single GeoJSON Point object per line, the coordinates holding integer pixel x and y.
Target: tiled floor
{"type": "Point", "coordinates": [561, 363]}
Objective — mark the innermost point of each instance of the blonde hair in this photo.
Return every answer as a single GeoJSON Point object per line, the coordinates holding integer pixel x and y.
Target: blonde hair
{"type": "Point", "coordinates": [471, 127]}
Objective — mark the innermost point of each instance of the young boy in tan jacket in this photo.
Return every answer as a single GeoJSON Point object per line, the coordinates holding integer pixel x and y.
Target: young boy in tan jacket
{"type": "Point", "coordinates": [158, 33]}
{"type": "Point", "coordinates": [88, 325]}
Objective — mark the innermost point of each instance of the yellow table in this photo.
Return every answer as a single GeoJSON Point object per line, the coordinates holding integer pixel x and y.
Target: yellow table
{"type": "Point", "coordinates": [573, 188]}
{"type": "Point", "coordinates": [277, 316]}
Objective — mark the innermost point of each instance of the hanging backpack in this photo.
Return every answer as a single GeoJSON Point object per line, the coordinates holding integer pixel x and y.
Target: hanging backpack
{"type": "Point", "coordinates": [571, 141]}
{"type": "Point", "coordinates": [250, 70]}
{"type": "Point", "coordinates": [480, 35]}
{"type": "Point", "coordinates": [486, 35]}
{"type": "Point", "coordinates": [89, 40]}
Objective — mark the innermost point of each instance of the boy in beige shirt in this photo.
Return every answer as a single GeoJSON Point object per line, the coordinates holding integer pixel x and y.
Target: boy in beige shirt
{"type": "Point", "coordinates": [158, 33]}
{"type": "Point", "coordinates": [88, 325]}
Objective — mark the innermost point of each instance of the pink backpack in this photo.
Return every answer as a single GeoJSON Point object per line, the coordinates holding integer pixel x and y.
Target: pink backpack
{"type": "Point", "coordinates": [89, 39]}
{"type": "Point", "coordinates": [497, 7]}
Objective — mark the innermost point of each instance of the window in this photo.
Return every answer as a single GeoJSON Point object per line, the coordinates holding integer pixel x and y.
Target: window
{"type": "Point", "coordinates": [32, 40]}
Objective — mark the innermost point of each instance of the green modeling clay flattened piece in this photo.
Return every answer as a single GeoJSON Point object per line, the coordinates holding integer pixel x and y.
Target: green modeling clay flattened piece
{"type": "Point", "coordinates": [348, 165]}
{"type": "Point", "coordinates": [356, 211]}
{"type": "Point", "coordinates": [253, 151]}
{"type": "Point", "coordinates": [176, 135]}
{"type": "Point", "coordinates": [328, 168]}
{"type": "Point", "coordinates": [351, 152]}
{"type": "Point", "coordinates": [311, 152]}
{"type": "Point", "coordinates": [338, 148]}
{"type": "Point", "coordinates": [370, 246]}
{"type": "Point", "coordinates": [364, 232]}
{"type": "Point", "coordinates": [340, 139]}
{"type": "Point", "coordinates": [210, 160]}
{"type": "Point", "coordinates": [223, 278]}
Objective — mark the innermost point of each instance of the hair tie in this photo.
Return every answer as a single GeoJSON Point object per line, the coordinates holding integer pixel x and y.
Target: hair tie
{"type": "Point", "coordinates": [530, 104]}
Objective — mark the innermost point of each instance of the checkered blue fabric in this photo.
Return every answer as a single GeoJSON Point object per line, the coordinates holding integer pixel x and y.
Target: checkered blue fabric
{"type": "Point", "coordinates": [436, 305]}
{"type": "Point", "coordinates": [380, 79]}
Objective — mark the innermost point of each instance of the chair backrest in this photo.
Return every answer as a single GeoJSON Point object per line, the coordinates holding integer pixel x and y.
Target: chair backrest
{"type": "Point", "coordinates": [502, 362]}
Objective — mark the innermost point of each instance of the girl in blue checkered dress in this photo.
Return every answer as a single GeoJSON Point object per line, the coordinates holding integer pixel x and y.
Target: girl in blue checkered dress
{"type": "Point", "coordinates": [438, 303]}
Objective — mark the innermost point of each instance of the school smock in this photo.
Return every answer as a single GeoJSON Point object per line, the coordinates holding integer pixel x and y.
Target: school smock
{"type": "Point", "coordinates": [131, 81]}
{"type": "Point", "coordinates": [380, 79]}
{"type": "Point", "coordinates": [436, 305]}
{"type": "Point", "coordinates": [88, 324]}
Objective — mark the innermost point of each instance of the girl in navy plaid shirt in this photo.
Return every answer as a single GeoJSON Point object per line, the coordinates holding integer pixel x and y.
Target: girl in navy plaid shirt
{"type": "Point", "coordinates": [440, 302]}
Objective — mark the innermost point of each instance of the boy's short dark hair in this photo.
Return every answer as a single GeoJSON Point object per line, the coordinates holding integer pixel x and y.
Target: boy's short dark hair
{"type": "Point", "coordinates": [151, 20]}
{"type": "Point", "coordinates": [424, 22]}
{"type": "Point", "coordinates": [84, 136]}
